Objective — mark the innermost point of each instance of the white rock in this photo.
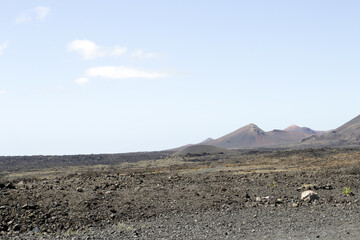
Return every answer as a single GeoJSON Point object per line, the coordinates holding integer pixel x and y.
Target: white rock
{"type": "Point", "coordinates": [309, 195]}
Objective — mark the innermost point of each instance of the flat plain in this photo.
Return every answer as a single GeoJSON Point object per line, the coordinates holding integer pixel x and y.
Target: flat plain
{"type": "Point", "coordinates": [233, 195]}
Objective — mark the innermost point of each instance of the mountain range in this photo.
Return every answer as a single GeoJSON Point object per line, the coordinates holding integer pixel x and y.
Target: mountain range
{"type": "Point", "coordinates": [251, 136]}
{"type": "Point", "coordinates": [347, 134]}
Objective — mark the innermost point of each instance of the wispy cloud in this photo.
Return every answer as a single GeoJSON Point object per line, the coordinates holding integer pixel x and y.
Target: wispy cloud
{"type": "Point", "coordinates": [90, 50]}
{"type": "Point", "coordinates": [122, 72]}
{"type": "Point", "coordinates": [82, 81]}
{"type": "Point", "coordinates": [3, 46]}
{"type": "Point", "coordinates": [42, 12]}
{"type": "Point", "coordinates": [139, 53]}
{"type": "Point", "coordinates": [39, 13]}
{"type": "Point", "coordinates": [2, 92]}
{"type": "Point", "coordinates": [23, 18]}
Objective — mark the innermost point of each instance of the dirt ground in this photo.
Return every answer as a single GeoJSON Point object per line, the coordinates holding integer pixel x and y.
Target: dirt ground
{"type": "Point", "coordinates": [243, 195]}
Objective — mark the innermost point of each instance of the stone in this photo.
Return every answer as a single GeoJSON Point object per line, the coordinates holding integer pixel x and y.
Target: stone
{"type": "Point", "coordinates": [29, 207]}
{"type": "Point", "coordinates": [21, 185]}
{"type": "Point", "coordinates": [309, 195]}
{"type": "Point", "coordinates": [327, 187]}
{"type": "Point", "coordinates": [310, 186]}
{"type": "Point", "coordinates": [9, 186]}
{"type": "Point", "coordinates": [17, 227]}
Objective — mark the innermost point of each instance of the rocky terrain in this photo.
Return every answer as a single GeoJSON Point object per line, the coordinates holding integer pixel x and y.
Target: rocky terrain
{"type": "Point", "coordinates": [247, 195]}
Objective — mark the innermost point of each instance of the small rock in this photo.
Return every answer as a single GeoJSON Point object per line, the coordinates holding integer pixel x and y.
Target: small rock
{"type": "Point", "coordinates": [3, 228]}
{"type": "Point", "coordinates": [9, 186]}
{"type": "Point", "coordinates": [295, 205]}
{"type": "Point", "coordinates": [29, 207]}
{"type": "Point", "coordinates": [327, 187]}
{"type": "Point", "coordinates": [21, 185]}
{"type": "Point", "coordinates": [258, 199]}
{"type": "Point", "coordinates": [309, 186]}
{"type": "Point", "coordinates": [279, 201]}
{"type": "Point", "coordinates": [247, 195]}
{"type": "Point", "coordinates": [79, 189]}
{"type": "Point", "coordinates": [309, 195]}
{"type": "Point", "coordinates": [17, 227]}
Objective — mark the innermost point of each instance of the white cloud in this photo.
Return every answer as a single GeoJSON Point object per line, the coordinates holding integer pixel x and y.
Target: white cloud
{"type": "Point", "coordinates": [23, 18]}
{"type": "Point", "coordinates": [82, 81]}
{"type": "Point", "coordinates": [39, 13]}
{"type": "Point", "coordinates": [42, 12]}
{"type": "Point", "coordinates": [2, 92]}
{"type": "Point", "coordinates": [86, 48]}
{"type": "Point", "coordinates": [143, 55]}
{"type": "Point", "coordinates": [119, 51]}
{"type": "Point", "coordinates": [89, 50]}
{"type": "Point", "coordinates": [121, 72]}
{"type": "Point", "coordinates": [3, 46]}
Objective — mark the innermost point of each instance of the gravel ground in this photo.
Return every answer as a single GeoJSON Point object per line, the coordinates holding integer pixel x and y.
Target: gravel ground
{"type": "Point", "coordinates": [253, 196]}
{"type": "Point", "coordinates": [310, 222]}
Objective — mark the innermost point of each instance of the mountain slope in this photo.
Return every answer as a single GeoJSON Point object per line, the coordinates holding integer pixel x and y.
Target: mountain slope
{"type": "Point", "coordinates": [205, 142]}
{"type": "Point", "coordinates": [247, 136]}
{"type": "Point", "coordinates": [251, 136]}
{"type": "Point", "coordinates": [201, 149]}
{"type": "Point", "coordinates": [347, 134]}
{"type": "Point", "coordinates": [294, 128]}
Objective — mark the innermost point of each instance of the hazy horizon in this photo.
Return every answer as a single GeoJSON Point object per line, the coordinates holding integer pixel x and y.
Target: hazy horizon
{"type": "Point", "coordinates": [125, 76]}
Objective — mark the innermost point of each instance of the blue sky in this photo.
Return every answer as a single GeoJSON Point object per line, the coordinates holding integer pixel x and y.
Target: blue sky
{"type": "Point", "coordinates": [119, 76]}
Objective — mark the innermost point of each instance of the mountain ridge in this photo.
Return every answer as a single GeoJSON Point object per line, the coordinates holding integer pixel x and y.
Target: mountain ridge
{"type": "Point", "coordinates": [251, 136]}
{"type": "Point", "coordinates": [346, 134]}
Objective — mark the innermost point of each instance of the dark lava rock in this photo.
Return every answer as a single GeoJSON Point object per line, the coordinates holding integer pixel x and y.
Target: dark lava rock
{"type": "Point", "coordinates": [9, 186]}
{"type": "Point", "coordinates": [29, 207]}
{"type": "Point", "coordinates": [17, 227]}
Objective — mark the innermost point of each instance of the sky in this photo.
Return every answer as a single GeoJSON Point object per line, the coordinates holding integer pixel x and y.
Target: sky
{"type": "Point", "coordinates": [83, 77]}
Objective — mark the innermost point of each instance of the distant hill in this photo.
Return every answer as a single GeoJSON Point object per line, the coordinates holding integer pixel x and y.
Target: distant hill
{"type": "Point", "coordinates": [294, 128]}
{"type": "Point", "coordinates": [201, 149]}
{"type": "Point", "coordinates": [251, 136]}
{"type": "Point", "coordinates": [347, 134]}
{"type": "Point", "coordinates": [247, 136]}
{"type": "Point", "coordinates": [189, 145]}
{"type": "Point", "coordinates": [207, 140]}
